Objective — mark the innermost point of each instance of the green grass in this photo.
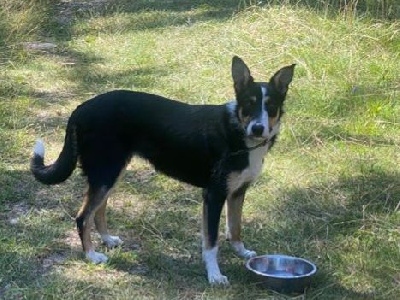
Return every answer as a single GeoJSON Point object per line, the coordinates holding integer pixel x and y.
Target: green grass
{"type": "Point", "coordinates": [329, 190]}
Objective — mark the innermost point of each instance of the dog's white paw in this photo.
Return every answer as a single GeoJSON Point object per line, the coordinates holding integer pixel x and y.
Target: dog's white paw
{"type": "Point", "coordinates": [248, 254]}
{"type": "Point", "coordinates": [213, 272]}
{"type": "Point", "coordinates": [217, 279]}
{"type": "Point", "coordinates": [96, 257]}
{"type": "Point", "coordinates": [242, 251]}
{"type": "Point", "coordinates": [111, 241]}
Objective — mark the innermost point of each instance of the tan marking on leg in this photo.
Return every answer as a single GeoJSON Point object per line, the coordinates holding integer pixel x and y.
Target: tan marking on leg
{"type": "Point", "coordinates": [84, 233]}
{"type": "Point", "coordinates": [234, 210]}
{"type": "Point", "coordinates": [93, 200]}
{"type": "Point", "coordinates": [87, 244]}
{"type": "Point", "coordinates": [100, 219]}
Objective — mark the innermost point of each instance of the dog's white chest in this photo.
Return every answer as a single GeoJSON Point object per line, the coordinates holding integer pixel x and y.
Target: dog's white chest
{"type": "Point", "coordinates": [248, 175]}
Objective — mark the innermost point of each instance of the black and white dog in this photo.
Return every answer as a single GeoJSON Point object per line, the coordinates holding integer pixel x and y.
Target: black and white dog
{"type": "Point", "coordinates": [219, 148]}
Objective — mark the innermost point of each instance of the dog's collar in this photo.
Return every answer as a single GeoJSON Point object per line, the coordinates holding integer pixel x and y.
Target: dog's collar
{"type": "Point", "coordinates": [262, 144]}
{"type": "Point", "coordinates": [248, 149]}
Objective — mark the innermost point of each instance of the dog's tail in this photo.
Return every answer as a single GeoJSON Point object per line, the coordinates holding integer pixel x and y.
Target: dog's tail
{"type": "Point", "coordinates": [62, 168]}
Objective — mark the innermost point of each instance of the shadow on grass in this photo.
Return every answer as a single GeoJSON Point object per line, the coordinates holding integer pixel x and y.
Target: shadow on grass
{"type": "Point", "coordinates": [136, 78]}
{"type": "Point", "coordinates": [28, 232]}
{"type": "Point", "coordinates": [167, 232]}
{"type": "Point", "coordinates": [329, 224]}
{"type": "Point", "coordinates": [373, 193]}
{"type": "Point", "coordinates": [39, 214]}
{"type": "Point", "coordinates": [62, 16]}
{"type": "Point", "coordinates": [321, 221]}
{"type": "Point", "coordinates": [225, 8]}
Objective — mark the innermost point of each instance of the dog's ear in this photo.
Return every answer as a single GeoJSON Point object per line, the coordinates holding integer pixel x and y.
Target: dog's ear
{"type": "Point", "coordinates": [240, 74]}
{"type": "Point", "coordinates": [281, 80]}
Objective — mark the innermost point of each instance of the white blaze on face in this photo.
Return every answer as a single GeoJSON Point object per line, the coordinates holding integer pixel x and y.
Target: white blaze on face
{"type": "Point", "coordinates": [263, 120]}
{"type": "Point", "coordinates": [264, 110]}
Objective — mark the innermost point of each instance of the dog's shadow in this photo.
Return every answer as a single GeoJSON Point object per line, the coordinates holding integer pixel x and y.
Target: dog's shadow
{"type": "Point", "coordinates": [162, 241]}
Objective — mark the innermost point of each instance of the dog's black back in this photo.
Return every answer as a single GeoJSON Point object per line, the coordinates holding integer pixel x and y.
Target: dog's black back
{"type": "Point", "coordinates": [184, 141]}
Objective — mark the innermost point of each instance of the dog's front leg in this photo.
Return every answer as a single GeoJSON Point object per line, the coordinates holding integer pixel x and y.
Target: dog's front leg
{"type": "Point", "coordinates": [213, 201]}
{"type": "Point", "coordinates": [234, 210]}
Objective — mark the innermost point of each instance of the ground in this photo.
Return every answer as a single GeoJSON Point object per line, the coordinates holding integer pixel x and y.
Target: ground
{"type": "Point", "coordinates": [329, 190]}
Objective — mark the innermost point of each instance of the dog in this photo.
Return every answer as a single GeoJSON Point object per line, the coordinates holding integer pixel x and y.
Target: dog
{"type": "Point", "coordinates": [219, 148]}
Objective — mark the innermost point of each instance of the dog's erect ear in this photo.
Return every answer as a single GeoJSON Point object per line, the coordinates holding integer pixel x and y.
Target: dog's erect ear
{"type": "Point", "coordinates": [281, 80]}
{"type": "Point", "coordinates": [240, 74]}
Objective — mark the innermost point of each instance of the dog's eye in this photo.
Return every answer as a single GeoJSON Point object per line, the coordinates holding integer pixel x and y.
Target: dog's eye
{"type": "Point", "coordinates": [249, 104]}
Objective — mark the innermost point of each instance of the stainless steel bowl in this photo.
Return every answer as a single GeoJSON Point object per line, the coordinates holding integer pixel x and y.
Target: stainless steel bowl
{"type": "Point", "coordinates": [282, 273]}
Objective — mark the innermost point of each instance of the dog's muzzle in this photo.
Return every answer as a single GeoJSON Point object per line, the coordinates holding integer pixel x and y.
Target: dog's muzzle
{"type": "Point", "coordinates": [257, 129]}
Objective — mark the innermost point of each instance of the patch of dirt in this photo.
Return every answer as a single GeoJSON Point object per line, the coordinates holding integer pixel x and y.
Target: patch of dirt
{"type": "Point", "coordinates": [138, 270]}
{"type": "Point", "coordinates": [17, 211]}
{"type": "Point", "coordinates": [129, 245]}
{"type": "Point", "coordinates": [39, 46]}
{"type": "Point", "coordinates": [66, 12]}
{"type": "Point", "coordinates": [72, 239]}
{"type": "Point", "coordinates": [53, 259]}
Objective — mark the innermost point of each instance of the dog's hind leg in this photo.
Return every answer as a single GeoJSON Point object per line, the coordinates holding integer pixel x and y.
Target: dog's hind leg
{"type": "Point", "coordinates": [234, 209]}
{"type": "Point", "coordinates": [103, 159]}
{"type": "Point", "coordinates": [100, 220]}
{"type": "Point", "coordinates": [95, 199]}
{"type": "Point", "coordinates": [212, 206]}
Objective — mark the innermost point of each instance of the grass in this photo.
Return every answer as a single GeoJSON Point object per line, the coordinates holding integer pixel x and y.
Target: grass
{"type": "Point", "coordinates": [329, 189]}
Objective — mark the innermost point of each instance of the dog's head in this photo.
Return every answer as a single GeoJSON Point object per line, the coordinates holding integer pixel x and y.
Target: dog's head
{"type": "Point", "coordinates": [259, 104]}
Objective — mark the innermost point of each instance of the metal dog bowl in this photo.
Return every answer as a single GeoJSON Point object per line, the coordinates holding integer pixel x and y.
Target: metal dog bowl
{"type": "Point", "coordinates": [282, 273]}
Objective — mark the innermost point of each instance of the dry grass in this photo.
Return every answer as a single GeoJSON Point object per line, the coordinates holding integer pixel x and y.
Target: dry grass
{"type": "Point", "coordinates": [329, 191]}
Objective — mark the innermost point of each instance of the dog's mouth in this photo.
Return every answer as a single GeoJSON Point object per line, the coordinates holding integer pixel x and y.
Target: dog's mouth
{"type": "Point", "coordinates": [269, 134]}
{"type": "Point", "coordinates": [257, 138]}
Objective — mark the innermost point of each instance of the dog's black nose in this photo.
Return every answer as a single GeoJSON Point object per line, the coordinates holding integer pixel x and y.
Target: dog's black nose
{"type": "Point", "coordinates": [257, 129]}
